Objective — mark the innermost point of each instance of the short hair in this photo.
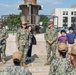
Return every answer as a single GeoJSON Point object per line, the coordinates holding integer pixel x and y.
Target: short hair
{"type": "Point", "coordinates": [71, 28]}
{"type": "Point", "coordinates": [63, 54]}
{"type": "Point", "coordinates": [16, 62]}
{"type": "Point", "coordinates": [63, 31]}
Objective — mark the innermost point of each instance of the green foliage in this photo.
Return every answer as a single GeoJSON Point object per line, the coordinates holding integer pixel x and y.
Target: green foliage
{"type": "Point", "coordinates": [12, 20]}
{"type": "Point", "coordinates": [44, 19]}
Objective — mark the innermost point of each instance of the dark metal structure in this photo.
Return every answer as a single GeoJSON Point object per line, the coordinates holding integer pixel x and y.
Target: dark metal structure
{"type": "Point", "coordinates": [30, 11]}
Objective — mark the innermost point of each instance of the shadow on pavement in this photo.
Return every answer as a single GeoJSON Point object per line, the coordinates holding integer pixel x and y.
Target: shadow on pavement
{"type": "Point", "coordinates": [32, 58]}
{"type": "Point", "coordinates": [7, 58]}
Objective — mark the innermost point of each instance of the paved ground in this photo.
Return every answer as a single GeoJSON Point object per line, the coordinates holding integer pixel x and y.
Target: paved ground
{"type": "Point", "coordinates": [38, 55]}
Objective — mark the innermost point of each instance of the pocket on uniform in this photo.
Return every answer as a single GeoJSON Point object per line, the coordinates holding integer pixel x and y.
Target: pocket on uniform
{"type": "Point", "coordinates": [22, 42]}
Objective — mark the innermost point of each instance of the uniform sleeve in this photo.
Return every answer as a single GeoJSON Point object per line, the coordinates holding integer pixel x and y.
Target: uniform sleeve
{"type": "Point", "coordinates": [28, 73]}
{"type": "Point", "coordinates": [28, 34]}
{"type": "Point", "coordinates": [29, 37]}
{"type": "Point", "coordinates": [69, 66]}
{"type": "Point", "coordinates": [46, 35]}
{"type": "Point", "coordinates": [5, 34]}
{"type": "Point", "coordinates": [17, 36]}
{"type": "Point", "coordinates": [55, 35]}
{"type": "Point", "coordinates": [52, 68]}
{"type": "Point", "coordinates": [6, 69]}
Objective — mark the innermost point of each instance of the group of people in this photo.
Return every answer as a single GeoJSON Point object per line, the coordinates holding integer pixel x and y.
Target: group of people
{"type": "Point", "coordinates": [62, 62]}
{"type": "Point", "coordinates": [24, 38]}
{"type": "Point", "coordinates": [67, 38]}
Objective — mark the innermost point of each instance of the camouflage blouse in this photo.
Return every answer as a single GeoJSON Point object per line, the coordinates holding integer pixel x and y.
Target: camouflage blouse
{"type": "Point", "coordinates": [60, 66]}
{"type": "Point", "coordinates": [17, 70]}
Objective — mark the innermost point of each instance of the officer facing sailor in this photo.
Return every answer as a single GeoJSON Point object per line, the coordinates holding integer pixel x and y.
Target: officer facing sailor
{"type": "Point", "coordinates": [22, 41]}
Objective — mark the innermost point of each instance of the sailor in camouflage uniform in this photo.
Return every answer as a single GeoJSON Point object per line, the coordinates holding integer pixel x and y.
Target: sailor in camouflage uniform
{"type": "Point", "coordinates": [16, 69]}
{"type": "Point", "coordinates": [61, 65]}
{"type": "Point", "coordinates": [3, 37]}
{"type": "Point", "coordinates": [73, 60]}
{"type": "Point", "coordinates": [51, 42]}
{"type": "Point", "coordinates": [22, 41]}
{"type": "Point", "coordinates": [4, 73]}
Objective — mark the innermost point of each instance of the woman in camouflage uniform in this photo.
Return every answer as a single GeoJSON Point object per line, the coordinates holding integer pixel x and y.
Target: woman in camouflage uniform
{"type": "Point", "coordinates": [22, 41]}
{"type": "Point", "coordinates": [61, 65]}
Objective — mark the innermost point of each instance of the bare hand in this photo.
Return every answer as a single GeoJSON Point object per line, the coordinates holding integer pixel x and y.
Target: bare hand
{"type": "Point", "coordinates": [69, 55]}
{"type": "Point", "coordinates": [17, 46]}
{"type": "Point", "coordinates": [67, 46]}
{"type": "Point", "coordinates": [75, 43]}
{"type": "Point", "coordinates": [1, 39]}
{"type": "Point", "coordinates": [50, 42]}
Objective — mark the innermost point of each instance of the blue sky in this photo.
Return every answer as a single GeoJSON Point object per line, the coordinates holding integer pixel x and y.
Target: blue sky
{"type": "Point", "coordinates": [10, 6]}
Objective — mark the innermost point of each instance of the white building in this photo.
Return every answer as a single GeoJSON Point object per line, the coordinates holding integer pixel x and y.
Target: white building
{"type": "Point", "coordinates": [66, 16]}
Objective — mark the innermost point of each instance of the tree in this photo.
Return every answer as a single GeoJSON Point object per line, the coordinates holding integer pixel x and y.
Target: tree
{"type": "Point", "coordinates": [44, 19]}
{"type": "Point", "coordinates": [12, 20]}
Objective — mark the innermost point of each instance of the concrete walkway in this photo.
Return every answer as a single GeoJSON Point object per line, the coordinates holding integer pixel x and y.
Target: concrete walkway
{"type": "Point", "coordinates": [38, 55]}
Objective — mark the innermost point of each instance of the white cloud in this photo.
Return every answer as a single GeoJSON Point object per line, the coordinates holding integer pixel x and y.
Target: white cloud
{"type": "Point", "coordinates": [4, 5]}
{"type": "Point", "coordinates": [6, 9]}
{"type": "Point", "coordinates": [40, 2]}
{"type": "Point", "coordinates": [20, 2]}
{"type": "Point", "coordinates": [12, 8]}
{"type": "Point", "coordinates": [50, 2]}
{"type": "Point", "coordinates": [7, 6]}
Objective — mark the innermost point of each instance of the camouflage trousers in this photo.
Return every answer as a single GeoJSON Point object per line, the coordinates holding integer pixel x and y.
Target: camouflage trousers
{"type": "Point", "coordinates": [51, 51]}
{"type": "Point", "coordinates": [23, 49]}
{"type": "Point", "coordinates": [3, 55]}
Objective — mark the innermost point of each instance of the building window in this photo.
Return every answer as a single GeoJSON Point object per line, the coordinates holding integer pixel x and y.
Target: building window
{"type": "Point", "coordinates": [63, 12]}
{"type": "Point", "coordinates": [73, 22]}
{"type": "Point", "coordinates": [66, 12]}
{"type": "Point", "coordinates": [65, 21]}
{"type": "Point", "coordinates": [72, 13]}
